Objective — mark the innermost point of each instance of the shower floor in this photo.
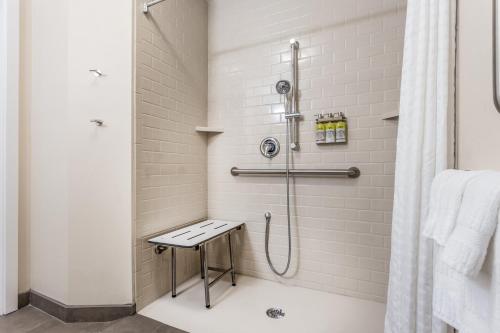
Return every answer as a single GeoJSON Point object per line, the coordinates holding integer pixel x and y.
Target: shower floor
{"type": "Point", "coordinates": [243, 308]}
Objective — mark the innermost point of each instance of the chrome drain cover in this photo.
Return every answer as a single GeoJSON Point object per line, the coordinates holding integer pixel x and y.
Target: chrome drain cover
{"type": "Point", "coordinates": [275, 313]}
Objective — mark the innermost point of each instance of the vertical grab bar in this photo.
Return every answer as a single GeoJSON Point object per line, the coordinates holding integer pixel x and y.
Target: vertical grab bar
{"type": "Point", "coordinates": [496, 55]}
{"type": "Point", "coordinates": [294, 110]}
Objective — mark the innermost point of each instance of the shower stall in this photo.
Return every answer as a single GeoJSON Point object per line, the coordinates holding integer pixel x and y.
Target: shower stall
{"type": "Point", "coordinates": [227, 97]}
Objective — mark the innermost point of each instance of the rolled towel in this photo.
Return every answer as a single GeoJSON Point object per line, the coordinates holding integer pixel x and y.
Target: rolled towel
{"type": "Point", "coordinates": [477, 220]}
{"type": "Point", "coordinates": [445, 199]}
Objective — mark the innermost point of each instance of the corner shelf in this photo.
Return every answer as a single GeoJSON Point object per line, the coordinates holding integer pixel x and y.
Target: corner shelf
{"type": "Point", "coordinates": [393, 115]}
{"type": "Point", "coordinates": [205, 129]}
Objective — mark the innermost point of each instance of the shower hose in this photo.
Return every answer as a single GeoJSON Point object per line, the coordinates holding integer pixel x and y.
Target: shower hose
{"type": "Point", "coordinates": [268, 214]}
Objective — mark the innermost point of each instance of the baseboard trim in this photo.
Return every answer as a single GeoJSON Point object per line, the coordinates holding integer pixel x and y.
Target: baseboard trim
{"type": "Point", "coordinates": [23, 299]}
{"type": "Point", "coordinates": [73, 314]}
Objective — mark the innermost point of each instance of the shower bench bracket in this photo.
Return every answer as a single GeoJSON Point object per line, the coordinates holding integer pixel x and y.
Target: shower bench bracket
{"type": "Point", "coordinates": [197, 236]}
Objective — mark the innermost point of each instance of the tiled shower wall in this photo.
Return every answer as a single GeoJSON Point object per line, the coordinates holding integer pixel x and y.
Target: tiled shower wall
{"type": "Point", "coordinates": [171, 158]}
{"type": "Point", "coordinates": [350, 61]}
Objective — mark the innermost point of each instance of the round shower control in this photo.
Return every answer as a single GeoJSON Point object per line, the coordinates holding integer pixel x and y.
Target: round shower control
{"type": "Point", "coordinates": [270, 147]}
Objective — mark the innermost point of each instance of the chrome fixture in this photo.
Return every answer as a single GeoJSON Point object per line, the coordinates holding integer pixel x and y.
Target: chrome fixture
{"type": "Point", "coordinates": [290, 91]}
{"type": "Point", "coordinates": [159, 249]}
{"type": "Point", "coordinates": [145, 8]}
{"type": "Point", "coordinates": [275, 313]}
{"type": "Point", "coordinates": [267, 216]}
{"type": "Point", "coordinates": [96, 72]}
{"type": "Point", "coordinates": [98, 122]}
{"type": "Point", "coordinates": [270, 147]}
{"type": "Point", "coordinates": [293, 113]}
{"type": "Point", "coordinates": [352, 172]}
{"type": "Point", "coordinates": [283, 87]}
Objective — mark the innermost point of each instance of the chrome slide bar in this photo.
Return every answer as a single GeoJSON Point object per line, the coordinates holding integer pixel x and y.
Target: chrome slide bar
{"type": "Point", "coordinates": [352, 172]}
{"type": "Point", "coordinates": [293, 115]}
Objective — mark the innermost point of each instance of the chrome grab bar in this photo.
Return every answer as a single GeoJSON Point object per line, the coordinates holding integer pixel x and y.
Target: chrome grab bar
{"type": "Point", "coordinates": [352, 172]}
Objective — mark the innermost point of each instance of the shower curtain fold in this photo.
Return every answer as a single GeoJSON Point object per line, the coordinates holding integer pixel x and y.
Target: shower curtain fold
{"type": "Point", "coordinates": [424, 148]}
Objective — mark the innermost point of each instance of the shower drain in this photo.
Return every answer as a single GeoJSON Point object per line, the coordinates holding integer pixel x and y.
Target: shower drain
{"type": "Point", "coordinates": [275, 313]}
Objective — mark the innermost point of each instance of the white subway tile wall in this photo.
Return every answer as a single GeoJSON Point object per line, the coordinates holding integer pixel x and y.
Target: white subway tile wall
{"type": "Point", "coordinates": [171, 158]}
{"type": "Point", "coordinates": [350, 61]}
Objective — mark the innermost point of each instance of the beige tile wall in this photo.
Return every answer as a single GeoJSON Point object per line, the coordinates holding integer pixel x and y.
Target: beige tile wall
{"type": "Point", "coordinates": [350, 61]}
{"type": "Point", "coordinates": [171, 158]}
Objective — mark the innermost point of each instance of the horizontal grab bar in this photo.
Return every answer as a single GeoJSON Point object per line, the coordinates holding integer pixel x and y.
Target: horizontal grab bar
{"type": "Point", "coordinates": [352, 172]}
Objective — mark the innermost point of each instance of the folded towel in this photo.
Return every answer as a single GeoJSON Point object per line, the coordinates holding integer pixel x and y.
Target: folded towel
{"type": "Point", "coordinates": [469, 304]}
{"type": "Point", "coordinates": [448, 300]}
{"type": "Point", "coordinates": [467, 245]}
{"type": "Point", "coordinates": [446, 196]}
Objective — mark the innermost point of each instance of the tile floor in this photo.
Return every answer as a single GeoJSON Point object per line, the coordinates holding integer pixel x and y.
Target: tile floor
{"type": "Point", "coordinates": [32, 320]}
{"type": "Point", "coordinates": [242, 309]}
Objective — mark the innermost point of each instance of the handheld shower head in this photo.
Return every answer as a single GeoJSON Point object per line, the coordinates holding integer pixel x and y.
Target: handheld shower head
{"type": "Point", "coordinates": [283, 87]}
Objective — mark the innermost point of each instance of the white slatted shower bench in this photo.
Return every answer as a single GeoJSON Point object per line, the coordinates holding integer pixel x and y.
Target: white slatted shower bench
{"type": "Point", "coordinates": [196, 236]}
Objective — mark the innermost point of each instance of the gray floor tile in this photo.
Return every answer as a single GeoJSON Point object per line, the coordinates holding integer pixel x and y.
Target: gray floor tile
{"type": "Point", "coordinates": [23, 321]}
{"type": "Point", "coordinates": [168, 329]}
{"type": "Point", "coordinates": [57, 326]}
{"type": "Point", "coordinates": [134, 324]}
{"type": "Point", "coordinates": [32, 320]}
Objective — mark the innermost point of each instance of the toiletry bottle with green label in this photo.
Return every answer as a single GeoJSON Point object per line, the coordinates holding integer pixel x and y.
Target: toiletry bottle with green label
{"type": "Point", "coordinates": [341, 129]}
{"type": "Point", "coordinates": [330, 130]}
{"type": "Point", "coordinates": [320, 129]}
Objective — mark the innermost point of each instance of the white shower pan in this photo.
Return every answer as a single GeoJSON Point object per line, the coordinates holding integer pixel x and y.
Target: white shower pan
{"type": "Point", "coordinates": [243, 309]}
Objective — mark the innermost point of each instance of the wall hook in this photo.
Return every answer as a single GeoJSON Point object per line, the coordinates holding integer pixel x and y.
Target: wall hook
{"type": "Point", "coordinates": [98, 122]}
{"type": "Point", "coordinates": [96, 72]}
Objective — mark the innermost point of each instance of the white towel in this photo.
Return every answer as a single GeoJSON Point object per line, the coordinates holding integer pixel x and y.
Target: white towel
{"type": "Point", "coordinates": [467, 246]}
{"type": "Point", "coordinates": [448, 299]}
{"type": "Point", "coordinates": [471, 305]}
{"type": "Point", "coordinates": [445, 199]}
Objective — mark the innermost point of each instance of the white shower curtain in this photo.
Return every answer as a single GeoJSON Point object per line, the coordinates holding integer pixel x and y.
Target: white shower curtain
{"type": "Point", "coordinates": [424, 149]}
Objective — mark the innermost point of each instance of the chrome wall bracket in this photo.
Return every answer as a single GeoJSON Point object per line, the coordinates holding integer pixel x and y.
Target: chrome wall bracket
{"type": "Point", "coordinates": [145, 8]}
{"type": "Point", "coordinates": [159, 249]}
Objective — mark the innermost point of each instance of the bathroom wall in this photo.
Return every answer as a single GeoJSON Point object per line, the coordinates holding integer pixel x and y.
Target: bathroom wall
{"type": "Point", "coordinates": [24, 283]}
{"type": "Point", "coordinates": [171, 158]}
{"type": "Point", "coordinates": [350, 61]}
{"type": "Point", "coordinates": [76, 183]}
{"type": "Point", "coordinates": [478, 121]}
{"type": "Point", "coordinates": [9, 153]}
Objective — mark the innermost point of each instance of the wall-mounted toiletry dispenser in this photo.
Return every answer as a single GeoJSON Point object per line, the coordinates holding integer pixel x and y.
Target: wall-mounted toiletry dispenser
{"type": "Point", "coordinates": [331, 128]}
